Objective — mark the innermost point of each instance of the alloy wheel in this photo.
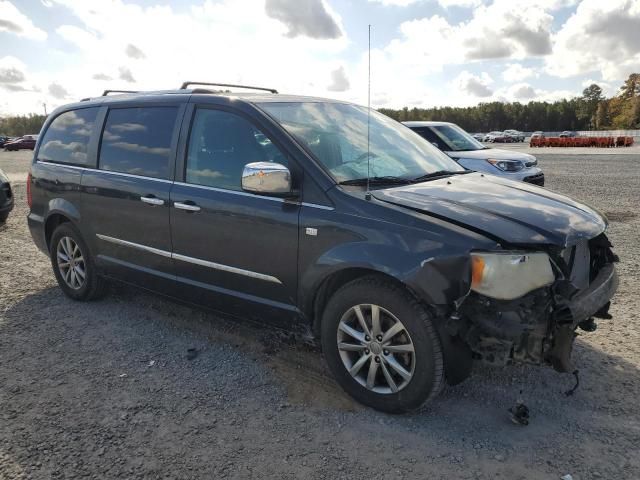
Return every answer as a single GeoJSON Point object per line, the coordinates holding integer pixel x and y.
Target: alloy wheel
{"type": "Point", "coordinates": [376, 348]}
{"type": "Point", "coordinates": [71, 263]}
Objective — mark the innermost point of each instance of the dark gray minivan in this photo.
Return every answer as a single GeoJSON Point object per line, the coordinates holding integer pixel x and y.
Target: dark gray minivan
{"type": "Point", "coordinates": [322, 215]}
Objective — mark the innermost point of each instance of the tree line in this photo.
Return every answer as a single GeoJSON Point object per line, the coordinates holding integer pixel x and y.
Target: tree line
{"type": "Point", "coordinates": [19, 125]}
{"type": "Point", "coordinates": [591, 111]}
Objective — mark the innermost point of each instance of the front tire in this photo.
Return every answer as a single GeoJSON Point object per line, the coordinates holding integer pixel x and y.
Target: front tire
{"type": "Point", "coordinates": [73, 265]}
{"type": "Point", "coordinates": [381, 345]}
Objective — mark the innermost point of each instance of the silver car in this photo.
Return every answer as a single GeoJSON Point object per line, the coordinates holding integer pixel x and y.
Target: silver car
{"type": "Point", "coordinates": [471, 154]}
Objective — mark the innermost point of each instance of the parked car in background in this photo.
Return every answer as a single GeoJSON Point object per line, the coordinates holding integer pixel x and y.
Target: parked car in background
{"type": "Point", "coordinates": [471, 154]}
{"type": "Point", "coordinates": [514, 135]}
{"type": "Point", "coordinates": [479, 136]}
{"type": "Point", "coordinates": [6, 197]}
{"type": "Point", "coordinates": [537, 134]}
{"type": "Point", "coordinates": [323, 215]}
{"type": "Point", "coordinates": [4, 140]}
{"type": "Point", "coordinates": [496, 137]}
{"type": "Point", "coordinates": [26, 142]}
{"type": "Point", "coordinates": [568, 134]}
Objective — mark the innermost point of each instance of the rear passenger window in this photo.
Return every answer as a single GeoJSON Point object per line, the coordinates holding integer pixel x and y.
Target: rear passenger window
{"type": "Point", "coordinates": [138, 141]}
{"type": "Point", "coordinates": [67, 138]}
{"type": "Point", "coordinates": [221, 144]}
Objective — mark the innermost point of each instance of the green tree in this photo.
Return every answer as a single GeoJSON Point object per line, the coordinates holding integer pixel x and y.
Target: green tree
{"type": "Point", "coordinates": [602, 115]}
{"type": "Point", "coordinates": [631, 87]}
{"type": "Point", "coordinates": [588, 105]}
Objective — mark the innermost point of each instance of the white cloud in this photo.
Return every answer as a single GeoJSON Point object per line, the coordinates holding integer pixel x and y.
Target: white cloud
{"type": "Point", "coordinates": [599, 37]}
{"type": "Point", "coordinates": [12, 74]}
{"type": "Point", "coordinates": [395, 3]}
{"type": "Point", "coordinates": [339, 80]}
{"type": "Point", "coordinates": [311, 18]}
{"type": "Point", "coordinates": [522, 91]}
{"type": "Point", "coordinates": [134, 52]}
{"type": "Point", "coordinates": [516, 71]}
{"type": "Point", "coordinates": [223, 40]}
{"type": "Point", "coordinates": [459, 3]}
{"type": "Point", "coordinates": [14, 21]}
{"type": "Point", "coordinates": [58, 91]}
{"type": "Point", "coordinates": [474, 85]}
{"type": "Point", "coordinates": [125, 74]}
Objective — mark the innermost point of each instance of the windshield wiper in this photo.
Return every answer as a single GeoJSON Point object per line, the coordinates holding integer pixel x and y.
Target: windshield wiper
{"type": "Point", "coordinates": [388, 180]}
{"type": "Point", "coordinates": [438, 174]}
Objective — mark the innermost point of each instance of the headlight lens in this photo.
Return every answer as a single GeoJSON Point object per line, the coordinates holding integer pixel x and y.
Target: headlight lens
{"type": "Point", "coordinates": [506, 165]}
{"type": "Point", "coordinates": [509, 275]}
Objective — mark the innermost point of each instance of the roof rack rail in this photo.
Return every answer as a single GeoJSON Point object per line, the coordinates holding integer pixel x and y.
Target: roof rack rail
{"type": "Point", "coordinates": [107, 92]}
{"type": "Point", "coordinates": [186, 84]}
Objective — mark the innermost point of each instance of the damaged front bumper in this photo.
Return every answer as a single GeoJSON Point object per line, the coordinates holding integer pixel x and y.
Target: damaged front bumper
{"type": "Point", "coordinates": [538, 328]}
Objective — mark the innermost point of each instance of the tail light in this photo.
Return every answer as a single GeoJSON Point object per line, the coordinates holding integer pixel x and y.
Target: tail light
{"type": "Point", "coordinates": [29, 199]}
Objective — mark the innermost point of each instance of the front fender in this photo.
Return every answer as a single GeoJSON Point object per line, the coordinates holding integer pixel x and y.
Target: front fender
{"type": "Point", "coordinates": [435, 280]}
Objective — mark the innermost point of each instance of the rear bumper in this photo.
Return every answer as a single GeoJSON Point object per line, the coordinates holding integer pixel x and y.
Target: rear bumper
{"type": "Point", "coordinates": [36, 228]}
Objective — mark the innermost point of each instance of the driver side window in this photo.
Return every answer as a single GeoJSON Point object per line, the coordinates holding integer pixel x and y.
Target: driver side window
{"type": "Point", "coordinates": [221, 144]}
{"type": "Point", "coordinates": [429, 135]}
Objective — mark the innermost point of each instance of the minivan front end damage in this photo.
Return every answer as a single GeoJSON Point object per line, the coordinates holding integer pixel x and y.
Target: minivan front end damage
{"type": "Point", "coordinates": [539, 326]}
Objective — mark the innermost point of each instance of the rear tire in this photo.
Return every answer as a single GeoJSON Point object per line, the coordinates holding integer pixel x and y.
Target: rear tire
{"type": "Point", "coordinates": [393, 364]}
{"type": "Point", "coordinates": [4, 216]}
{"type": "Point", "coordinates": [73, 265]}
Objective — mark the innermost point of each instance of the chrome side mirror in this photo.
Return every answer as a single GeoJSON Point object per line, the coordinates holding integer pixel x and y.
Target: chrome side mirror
{"type": "Point", "coordinates": [266, 178]}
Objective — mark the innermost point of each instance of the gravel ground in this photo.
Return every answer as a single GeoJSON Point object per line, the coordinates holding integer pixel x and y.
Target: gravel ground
{"type": "Point", "coordinates": [109, 389]}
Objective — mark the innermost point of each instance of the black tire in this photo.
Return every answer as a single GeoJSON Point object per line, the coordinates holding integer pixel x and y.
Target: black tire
{"type": "Point", "coordinates": [93, 286]}
{"type": "Point", "coordinates": [4, 216]}
{"type": "Point", "coordinates": [428, 372]}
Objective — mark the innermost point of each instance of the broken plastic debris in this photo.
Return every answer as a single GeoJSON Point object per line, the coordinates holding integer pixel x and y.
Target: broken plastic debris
{"type": "Point", "coordinates": [122, 375]}
{"type": "Point", "coordinates": [151, 363]}
{"type": "Point", "coordinates": [567, 477]}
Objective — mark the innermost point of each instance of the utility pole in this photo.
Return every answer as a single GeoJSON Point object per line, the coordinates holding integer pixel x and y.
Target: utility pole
{"type": "Point", "coordinates": [45, 109]}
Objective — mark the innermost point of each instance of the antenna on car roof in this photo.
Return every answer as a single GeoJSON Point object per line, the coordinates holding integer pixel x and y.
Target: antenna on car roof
{"type": "Point", "coordinates": [367, 195]}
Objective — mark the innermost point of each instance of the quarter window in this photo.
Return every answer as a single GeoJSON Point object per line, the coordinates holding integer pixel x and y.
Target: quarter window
{"type": "Point", "coordinates": [67, 138]}
{"type": "Point", "coordinates": [221, 144]}
{"type": "Point", "coordinates": [138, 141]}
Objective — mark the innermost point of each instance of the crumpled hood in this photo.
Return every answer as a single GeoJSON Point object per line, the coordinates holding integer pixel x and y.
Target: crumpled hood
{"type": "Point", "coordinates": [513, 212]}
{"type": "Point", "coordinates": [496, 153]}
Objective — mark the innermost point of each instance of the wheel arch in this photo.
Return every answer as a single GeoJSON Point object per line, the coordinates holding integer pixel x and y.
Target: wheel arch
{"type": "Point", "coordinates": [59, 211]}
{"type": "Point", "coordinates": [331, 283]}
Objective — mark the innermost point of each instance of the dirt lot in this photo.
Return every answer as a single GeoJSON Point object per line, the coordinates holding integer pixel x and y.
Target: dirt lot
{"type": "Point", "coordinates": [108, 389]}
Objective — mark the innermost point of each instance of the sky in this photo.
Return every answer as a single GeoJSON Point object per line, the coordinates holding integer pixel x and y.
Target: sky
{"type": "Point", "coordinates": [424, 53]}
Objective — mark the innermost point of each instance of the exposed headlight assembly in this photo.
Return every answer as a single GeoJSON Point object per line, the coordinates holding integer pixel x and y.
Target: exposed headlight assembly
{"type": "Point", "coordinates": [506, 165]}
{"type": "Point", "coordinates": [509, 275]}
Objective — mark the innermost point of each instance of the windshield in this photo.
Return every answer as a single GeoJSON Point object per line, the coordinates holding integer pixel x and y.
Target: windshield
{"type": "Point", "coordinates": [336, 134]}
{"type": "Point", "coordinates": [456, 138]}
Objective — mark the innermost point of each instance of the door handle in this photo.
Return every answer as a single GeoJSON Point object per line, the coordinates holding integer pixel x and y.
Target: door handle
{"type": "Point", "coordinates": [189, 207]}
{"type": "Point", "coordinates": [152, 200]}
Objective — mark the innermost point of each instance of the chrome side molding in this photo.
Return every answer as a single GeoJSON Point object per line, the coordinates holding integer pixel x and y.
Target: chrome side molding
{"type": "Point", "coordinates": [195, 261]}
